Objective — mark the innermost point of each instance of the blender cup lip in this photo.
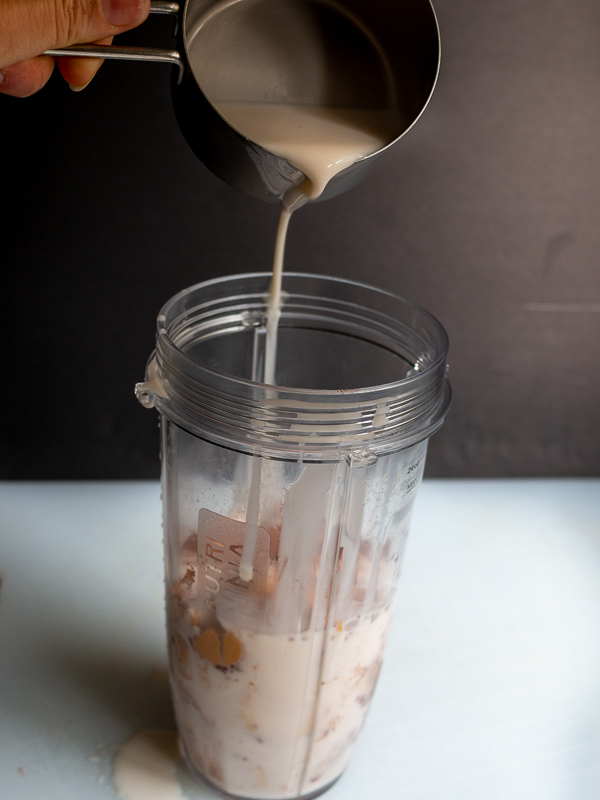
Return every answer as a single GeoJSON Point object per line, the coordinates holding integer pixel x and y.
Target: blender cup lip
{"type": "Point", "coordinates": [292, 422]}
{"type": "Point", "coordinates": [378, 389]}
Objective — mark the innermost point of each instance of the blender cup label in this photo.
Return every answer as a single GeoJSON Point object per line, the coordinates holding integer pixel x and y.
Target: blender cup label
{"type": "Point", "coordinates": [220, 547]}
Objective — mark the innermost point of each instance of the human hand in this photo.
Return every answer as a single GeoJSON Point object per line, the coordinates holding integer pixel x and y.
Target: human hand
{"type": "Point", "coordinates": [30, 27]}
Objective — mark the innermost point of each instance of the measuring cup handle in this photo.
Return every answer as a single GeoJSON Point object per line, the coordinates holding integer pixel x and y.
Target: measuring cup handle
{"type": "Point", "coordinates": [131, 53]}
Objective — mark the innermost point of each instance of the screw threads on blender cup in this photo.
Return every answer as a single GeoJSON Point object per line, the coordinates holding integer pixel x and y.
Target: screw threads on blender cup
{"type": "Point", "coordinates": [407, 407]}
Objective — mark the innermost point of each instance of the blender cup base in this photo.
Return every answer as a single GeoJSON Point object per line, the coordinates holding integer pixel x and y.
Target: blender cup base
{"type": "Point", "coordinates": [203, 779]}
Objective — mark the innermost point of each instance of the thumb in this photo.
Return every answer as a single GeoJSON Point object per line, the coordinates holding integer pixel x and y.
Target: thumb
{"type": "Point", "coordinates": [29, 27]}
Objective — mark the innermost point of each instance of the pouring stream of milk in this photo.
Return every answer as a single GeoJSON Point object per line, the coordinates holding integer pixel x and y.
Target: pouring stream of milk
{"type": "Point", "coordinates": [321, 141]}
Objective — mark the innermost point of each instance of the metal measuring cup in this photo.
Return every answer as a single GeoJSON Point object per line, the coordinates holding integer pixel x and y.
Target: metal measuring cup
{"type": "Point", "coordinates": [394, 60]}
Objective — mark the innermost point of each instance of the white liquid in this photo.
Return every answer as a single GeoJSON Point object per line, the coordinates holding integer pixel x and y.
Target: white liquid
{"type": "Point", "coordinates": [282, 721]}
{"type": "Point", "coordinates": [320, 141]}
{"type": "Point", "coordinates": [144, 767]}
{"type": "Point", "coordinates": [274, 303]}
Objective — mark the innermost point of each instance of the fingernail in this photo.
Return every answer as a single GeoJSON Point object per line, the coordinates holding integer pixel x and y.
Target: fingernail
{"type": "Point", "coordinates": [122, 12]}
{"type": "Point", "coordinates": [80, 88]}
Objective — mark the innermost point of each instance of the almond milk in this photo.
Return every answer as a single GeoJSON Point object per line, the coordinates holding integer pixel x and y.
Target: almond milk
{"type": "Point", "coordinates": [321, 142]}
{"type": "Point", "coordinates": [269, 715]}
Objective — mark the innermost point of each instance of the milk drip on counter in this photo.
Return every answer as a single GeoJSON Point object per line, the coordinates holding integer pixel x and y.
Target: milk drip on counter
{"type": "Point", "coordinates": [283, 550]}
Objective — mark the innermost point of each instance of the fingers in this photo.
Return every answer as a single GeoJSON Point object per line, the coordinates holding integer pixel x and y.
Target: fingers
{"type": "Point", "coordinates": [27, 77]}
{"type": "Point", "coordinates": [78, 72]}
{"type": "Point", "coordinates": [30, 28]}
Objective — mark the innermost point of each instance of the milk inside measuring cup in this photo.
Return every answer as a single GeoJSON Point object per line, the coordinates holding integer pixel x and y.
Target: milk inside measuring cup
{"type": "Point", "coordinates": [305, 79]}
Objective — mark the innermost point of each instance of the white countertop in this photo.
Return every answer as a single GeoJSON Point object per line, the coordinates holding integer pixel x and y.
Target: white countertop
{"type": "Point", "coordinates": [491, 686]}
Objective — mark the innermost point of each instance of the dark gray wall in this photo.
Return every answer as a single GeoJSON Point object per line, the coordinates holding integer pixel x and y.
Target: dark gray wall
{"type": "Point", "coordinates": [486, 213]}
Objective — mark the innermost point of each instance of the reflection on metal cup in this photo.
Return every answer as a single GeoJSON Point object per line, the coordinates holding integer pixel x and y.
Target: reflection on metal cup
{"type": "Point", "coordinates": [336, 53]}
